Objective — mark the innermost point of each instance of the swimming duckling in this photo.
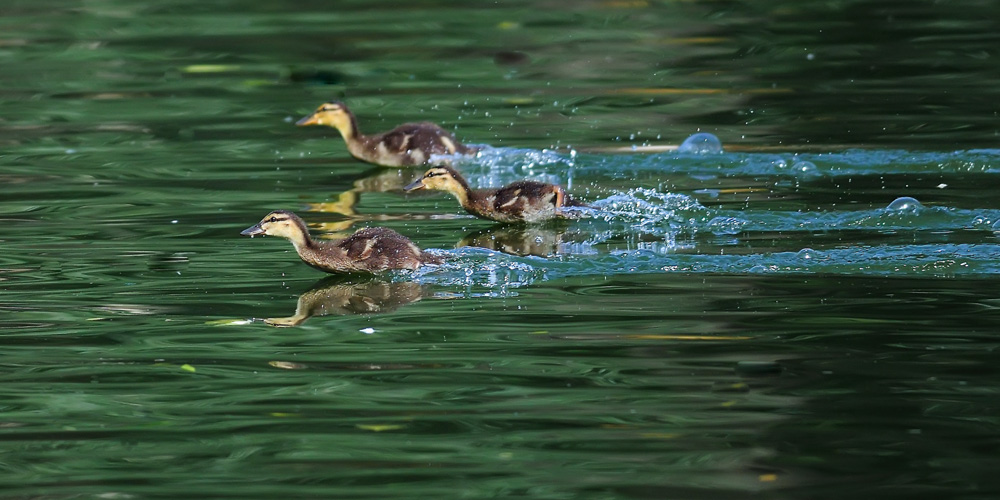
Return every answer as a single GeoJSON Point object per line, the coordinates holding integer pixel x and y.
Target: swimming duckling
{"type": "Point", "coordinates": [368, 250]}
{"type": "Point", "coordinates": [406, 145]}
{"type": "Point", "coordinates": [521, 201]}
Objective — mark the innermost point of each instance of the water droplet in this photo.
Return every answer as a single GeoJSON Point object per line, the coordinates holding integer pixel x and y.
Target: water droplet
{"type": "Point", "coordinates": [726, 225]}
{"type": "Point", "coordinates": [905, 204]}
{"type": "Point", "coordinates": [996, 227]}
{"type": "Point", "coordinates": [701, 143]}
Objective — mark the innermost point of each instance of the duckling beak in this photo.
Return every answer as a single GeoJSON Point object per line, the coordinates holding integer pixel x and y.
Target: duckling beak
{"type": "Point", "coordinates": [413, 186]}
{"type": "Point", "coordinates": [252, 231]}
{"type": "Point", "coordinates": [309, 120]}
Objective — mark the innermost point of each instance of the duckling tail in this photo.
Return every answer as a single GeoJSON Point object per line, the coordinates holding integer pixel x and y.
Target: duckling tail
{"type": "Point", "coordinates": [429, 258]}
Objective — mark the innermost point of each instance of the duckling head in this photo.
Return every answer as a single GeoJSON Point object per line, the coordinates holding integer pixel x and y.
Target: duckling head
{"type": "Point", "coordinates": [332, 114]}
{"type": "Point", "coordinates": [280, 223]}
{"type": "Point", "coordinates": [441, 179]}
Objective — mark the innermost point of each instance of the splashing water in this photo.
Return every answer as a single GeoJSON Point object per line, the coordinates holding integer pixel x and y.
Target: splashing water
{"type": "Point", "coordinates": [653, 229]}
{"type": "Point", "coordinates": [495, 167]}
{"type": "Point", "coordinates": [645, 206]}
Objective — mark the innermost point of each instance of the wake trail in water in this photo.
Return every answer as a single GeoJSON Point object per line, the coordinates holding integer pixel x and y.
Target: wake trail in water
{"type": "Point", "coordinates": [650, 230]}
{"type": "Point", "coordinates": [660, 228]}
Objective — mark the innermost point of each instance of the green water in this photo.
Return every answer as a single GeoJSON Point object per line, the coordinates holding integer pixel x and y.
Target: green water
{"type": "Point", "coordinates": [766, 321]}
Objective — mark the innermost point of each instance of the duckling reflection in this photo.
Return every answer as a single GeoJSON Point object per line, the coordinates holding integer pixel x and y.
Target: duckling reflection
{"type": "Point", "coordinates": [539, 241]}
{"type": "Point", "coordinates": [339, 295]}
{"type": "Point", "coordinates": [374, 181]}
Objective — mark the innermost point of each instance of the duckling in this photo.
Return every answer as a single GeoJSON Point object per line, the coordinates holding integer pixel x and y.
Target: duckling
{"type": "Point", "coordinates": [521, 201]}
{"type": "Point", "coordinates": [368, 250]}
{"type": "Point", "coordinates": [406, 145]}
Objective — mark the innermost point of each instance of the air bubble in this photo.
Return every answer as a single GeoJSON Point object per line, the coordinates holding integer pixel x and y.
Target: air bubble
{"type": "Point", "coordinates": [980, 221]}
{"type": "Point", "coordinates": [701, 143]}
{"type": "Point", "coordinates": [905, 204]}
{"type": "Point", "coordinates": [805, 170]}
{"type": "Point", "coordinates": [810, 254]}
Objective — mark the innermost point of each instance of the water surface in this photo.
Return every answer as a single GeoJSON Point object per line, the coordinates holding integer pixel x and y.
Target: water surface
{"type": "Point", "coordinates": [808, 313]}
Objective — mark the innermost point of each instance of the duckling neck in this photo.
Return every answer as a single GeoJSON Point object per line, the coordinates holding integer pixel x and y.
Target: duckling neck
{"type": "Point", "coordinates": [350, 130]}
{"type": "Point", "coordinates": [301, 240]}
{"type": "Point", "coordinates": [463, 193]}
{"type": "Point", "coordinates": [324, 255]}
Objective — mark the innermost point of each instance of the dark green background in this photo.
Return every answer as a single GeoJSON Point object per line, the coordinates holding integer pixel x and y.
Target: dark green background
{"type": "Point", "coordinates": [730, 325]}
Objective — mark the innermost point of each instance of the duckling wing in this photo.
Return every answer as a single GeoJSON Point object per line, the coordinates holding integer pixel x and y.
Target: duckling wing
{"type": "Point", "coordinates": [380, 248]}
{"type": "Point", "coordinates": [424, 137]}
{"type": "Point", "coordinates": [526, 197]}
{"type": "Point", "coordinates": [366, 243]}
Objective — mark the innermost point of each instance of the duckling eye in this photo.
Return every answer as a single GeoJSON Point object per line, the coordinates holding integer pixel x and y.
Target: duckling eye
{"type": "Point", "coordinates": [273, 219]}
